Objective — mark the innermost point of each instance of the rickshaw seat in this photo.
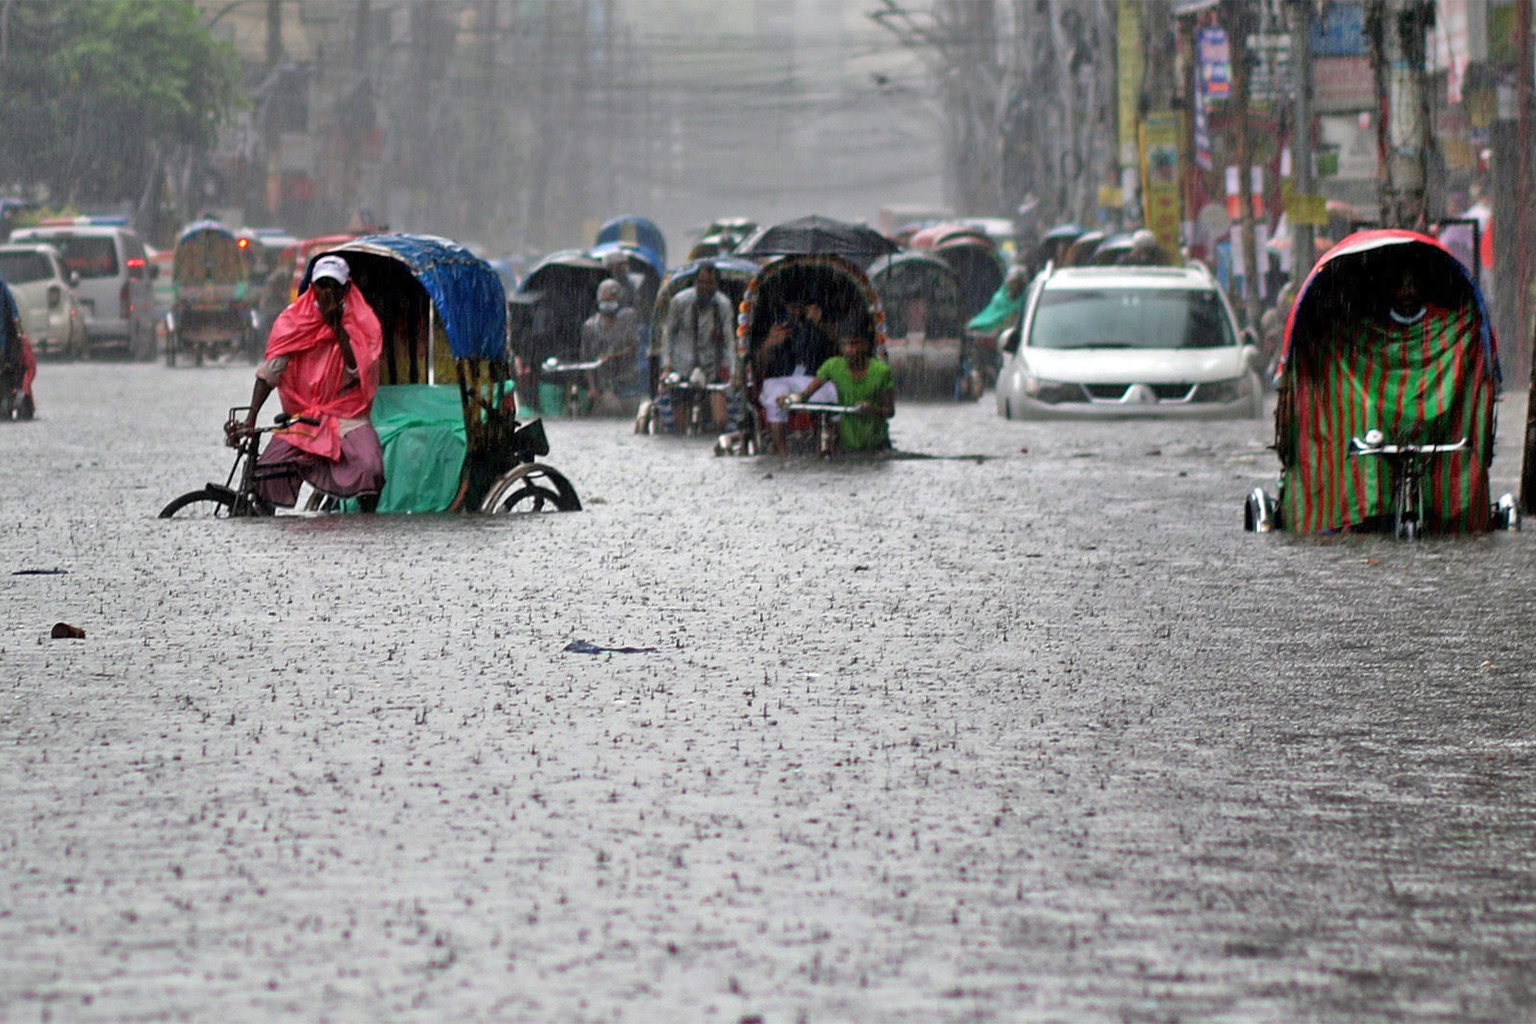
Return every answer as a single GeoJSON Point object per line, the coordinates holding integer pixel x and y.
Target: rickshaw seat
{"type": "Point", "coordinates": [421, 428]}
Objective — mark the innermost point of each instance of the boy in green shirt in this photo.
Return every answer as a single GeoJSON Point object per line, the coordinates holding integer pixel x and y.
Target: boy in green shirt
{"type": "Point", "coordinates": [861, 380]}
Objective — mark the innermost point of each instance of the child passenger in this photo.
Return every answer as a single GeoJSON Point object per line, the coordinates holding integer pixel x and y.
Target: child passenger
{"type": "Point", "coordinates": [863, 381]}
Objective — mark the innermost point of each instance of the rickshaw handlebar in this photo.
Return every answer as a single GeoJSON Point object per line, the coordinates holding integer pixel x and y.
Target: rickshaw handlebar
{"type": "Point", "coordinates": [831, 408]}
{"type": "Point", "coordinates": [1373, 443]}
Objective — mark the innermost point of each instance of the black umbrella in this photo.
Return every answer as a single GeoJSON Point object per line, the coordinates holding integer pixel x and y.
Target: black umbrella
{"type": "Point", "coordinates": [817, 236]}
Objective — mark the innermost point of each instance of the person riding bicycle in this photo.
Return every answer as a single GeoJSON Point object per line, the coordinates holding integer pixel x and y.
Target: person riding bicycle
{"type": "Point", "coordinates": [698, 343]}
{"type": "Point", "coordinates": [322, 358]}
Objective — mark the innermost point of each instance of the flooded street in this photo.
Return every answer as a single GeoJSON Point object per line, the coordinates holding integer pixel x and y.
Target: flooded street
{"type": "Point", "coordinates": [1036, 735]}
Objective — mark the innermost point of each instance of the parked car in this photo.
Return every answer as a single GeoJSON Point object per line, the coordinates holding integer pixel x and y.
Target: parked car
{"type": "Point", "coordinates": [45, 297]}
{"type": "Point", "coordinates": [1128, 341]}
{"type": "Point", "coordinates": [115, 286]}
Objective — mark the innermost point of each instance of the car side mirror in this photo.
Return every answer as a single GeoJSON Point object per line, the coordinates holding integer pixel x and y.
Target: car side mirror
{"type": "Point", "coordinates": [154, 271]}
{"type": "Point", "coordinates": [1009, 341]}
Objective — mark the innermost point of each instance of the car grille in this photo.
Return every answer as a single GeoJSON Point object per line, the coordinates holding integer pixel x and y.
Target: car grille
{"type": "Point", "coordinates": [1116, 392]}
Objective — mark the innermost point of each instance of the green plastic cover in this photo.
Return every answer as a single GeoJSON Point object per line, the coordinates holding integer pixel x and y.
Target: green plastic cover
{"type": "Point", "coordinates": [421, 427]}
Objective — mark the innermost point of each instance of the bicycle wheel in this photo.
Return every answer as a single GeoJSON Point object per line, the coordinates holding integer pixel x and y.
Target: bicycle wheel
{"type": "Point", "coordinates": [205, 503]}
{"type": "Point", "coordinates": [531, 487]}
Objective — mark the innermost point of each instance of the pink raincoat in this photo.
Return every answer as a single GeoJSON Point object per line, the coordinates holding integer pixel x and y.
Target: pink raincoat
{"type": "Point", "coordinates": [315, 382]}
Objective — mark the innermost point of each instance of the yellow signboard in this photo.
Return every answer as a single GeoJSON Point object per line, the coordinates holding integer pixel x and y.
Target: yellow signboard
{"type": "Point", "coordinates": [1162, 135]}
{"type": "Point", "coordinates": [1130, 67]}
{"type": "Point", "coordinates": [1304, 209]}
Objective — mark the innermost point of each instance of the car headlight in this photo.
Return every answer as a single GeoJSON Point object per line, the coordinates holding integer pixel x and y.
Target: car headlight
{"type": "Point", "coordinates": [1051, 392]}
{"type": "Point", "coordinates": [1223, 390]}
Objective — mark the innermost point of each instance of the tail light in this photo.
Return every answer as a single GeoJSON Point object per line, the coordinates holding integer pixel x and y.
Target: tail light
{"type": "Point", "coordinates": [125, 301]}
{"type": "Point", "coordinates": [55, 296]}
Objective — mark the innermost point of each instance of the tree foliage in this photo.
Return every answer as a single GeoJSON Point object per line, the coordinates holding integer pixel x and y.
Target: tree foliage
{"type": "Point", "coordinates": [100, 100]}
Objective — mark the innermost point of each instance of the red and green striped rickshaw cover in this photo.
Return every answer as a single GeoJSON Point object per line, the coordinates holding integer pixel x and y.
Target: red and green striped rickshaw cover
{"type": "Point", "coordinates": [1433, 381]}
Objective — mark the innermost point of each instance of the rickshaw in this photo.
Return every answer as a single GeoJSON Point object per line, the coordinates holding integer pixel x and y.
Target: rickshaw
{"type": "Point", "coordinates": [722, 237]}
{"type": "Point", "coordinates": [734, 274]}
{"type": "Point", "coordinates": [1385, 419]}
{"type": "Point", "coordinates": [635, 232]}
{"type": "Point", "coordinates": [273, 254]}
{"type": "Point", "coordinates": [445, 410]}
{"type": "Point", "coordinates": [924, 326]}
{"type": "Point", "coordinates": [847, 299]}
{"type": "Point", "coordinates": [18, 366]}
{"type": "Point", "coordinates": [972, 256]}
{"type": "Point", "coordinates": [545, 317]}
{"type": "Point", "coordinates": [1055, 244]}
{"type": "Point", "coordinates": [214, 309]}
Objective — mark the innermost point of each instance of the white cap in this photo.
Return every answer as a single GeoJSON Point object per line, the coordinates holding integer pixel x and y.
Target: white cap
{"type": "Point", "coordinates": [333, 267]}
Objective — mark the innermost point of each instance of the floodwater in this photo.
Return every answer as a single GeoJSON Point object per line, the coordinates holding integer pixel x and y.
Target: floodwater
{"type": "Point", "coordinates": [1039, 736]}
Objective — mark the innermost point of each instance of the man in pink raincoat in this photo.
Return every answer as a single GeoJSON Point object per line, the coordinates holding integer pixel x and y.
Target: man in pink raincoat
{"type": "Point", "coordinates": [323, 359]}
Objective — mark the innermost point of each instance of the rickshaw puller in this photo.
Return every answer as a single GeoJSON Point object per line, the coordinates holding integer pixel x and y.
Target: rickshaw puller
{"type": "Point", "coordinates": [322, 357]}
{"type": "Point", "coordinates": [611, 336]}
{"type": "Point", "coordinates": [697, 342]}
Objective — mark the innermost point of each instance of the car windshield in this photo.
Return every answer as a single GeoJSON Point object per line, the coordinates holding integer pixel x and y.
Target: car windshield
{"type": "Point", "coordinates": [24, 267]}
{"type": "Point", "coordinates": [1130, 318]}
{"type": "Point", "coordinates": [92, 257]}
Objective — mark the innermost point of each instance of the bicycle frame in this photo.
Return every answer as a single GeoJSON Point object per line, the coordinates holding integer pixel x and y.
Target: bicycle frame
{"type": "Point", "coordinates": [1408, 463]}
{"type": "Point", "coordinates": [244, 500]}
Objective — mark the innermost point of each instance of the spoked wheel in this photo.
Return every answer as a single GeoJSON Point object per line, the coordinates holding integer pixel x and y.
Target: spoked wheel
{"type": "Point", "coordinates": [1405, 518]}
{"type": "Point", "coordinates": [207, 503]}
{"type": "Point", "coordinates": [531, 487]}
{"type": "Point", "coordinates": [319, 501]}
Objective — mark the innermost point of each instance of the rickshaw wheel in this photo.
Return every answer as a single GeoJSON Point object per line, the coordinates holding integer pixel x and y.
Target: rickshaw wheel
{"type": "Point", "coordinates": [319, 501]}
{"type": "Point", "coordinates": [205, 503]}
{"type": "Point", "coordinates": [531, 487]}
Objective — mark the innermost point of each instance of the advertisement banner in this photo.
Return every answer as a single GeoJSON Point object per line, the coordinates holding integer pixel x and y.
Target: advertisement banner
{"type": "Point", "coordinates": [1162, 175]}
{"type": "Point", "coordinates": [1213, 64]}
{"type": "Point", "coordinates": [1130, 67]}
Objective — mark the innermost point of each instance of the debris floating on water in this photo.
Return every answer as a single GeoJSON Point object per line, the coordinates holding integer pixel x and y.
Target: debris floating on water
{"type": "Point", "coordinates": [583, 647]}
{"type": "Point", "coordinates": [41, 572]}
{"type": "Point", "coordinates": [64, 631]}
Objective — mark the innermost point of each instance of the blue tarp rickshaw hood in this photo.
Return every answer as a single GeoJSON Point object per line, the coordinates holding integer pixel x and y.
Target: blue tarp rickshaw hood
{"type": "Point", "coordinates": [467, 293]}
{"type": "Point", "coordinates": [638, 233]}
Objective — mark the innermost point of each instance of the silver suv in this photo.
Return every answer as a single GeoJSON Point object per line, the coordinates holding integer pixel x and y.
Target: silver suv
{"type": "Point", "coordinates": [114, 289]}
{"type": "Point", "coordinates": [45, 297]}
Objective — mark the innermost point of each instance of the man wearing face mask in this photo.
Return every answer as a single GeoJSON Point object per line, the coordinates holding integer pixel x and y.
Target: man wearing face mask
{"type": "Point", "coordinates": [698, 339]}
{"type": "Point", "coordinates": [612, 335]}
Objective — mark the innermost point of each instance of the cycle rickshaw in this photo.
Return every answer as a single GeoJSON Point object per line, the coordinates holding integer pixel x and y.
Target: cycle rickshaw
{"type": "Point", "coordinates": [214, 305]}
{"type": "Point", "coordinates": [924, 327]}
{"type": "Point", "coordinates": [545, 315]}
{"type": "Point", "coordinates": [18, 366]}
{"type": "Point", "coordinates": [637, 233]}
{"type": "Point", "coordinates": [971, 255]}
{"type": "Point", "coordinates": [445, 410]}
{"type": "Point", "coordinates": [734, 274]}
{"type": "Point", "coordinates": [1387, 380]}
{"type": "Point", "coordinates": [848, 301]}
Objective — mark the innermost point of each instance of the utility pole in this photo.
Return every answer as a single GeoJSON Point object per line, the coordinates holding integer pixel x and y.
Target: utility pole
{"type": "Point", "coordinates": [1520, 280]}
{"type": "Point", "coordinates": [1303, 236]}
{"type": "Point", "coordinates": [1236, 21]}
{"type": "Point", "coordinates": [1398, 31]}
